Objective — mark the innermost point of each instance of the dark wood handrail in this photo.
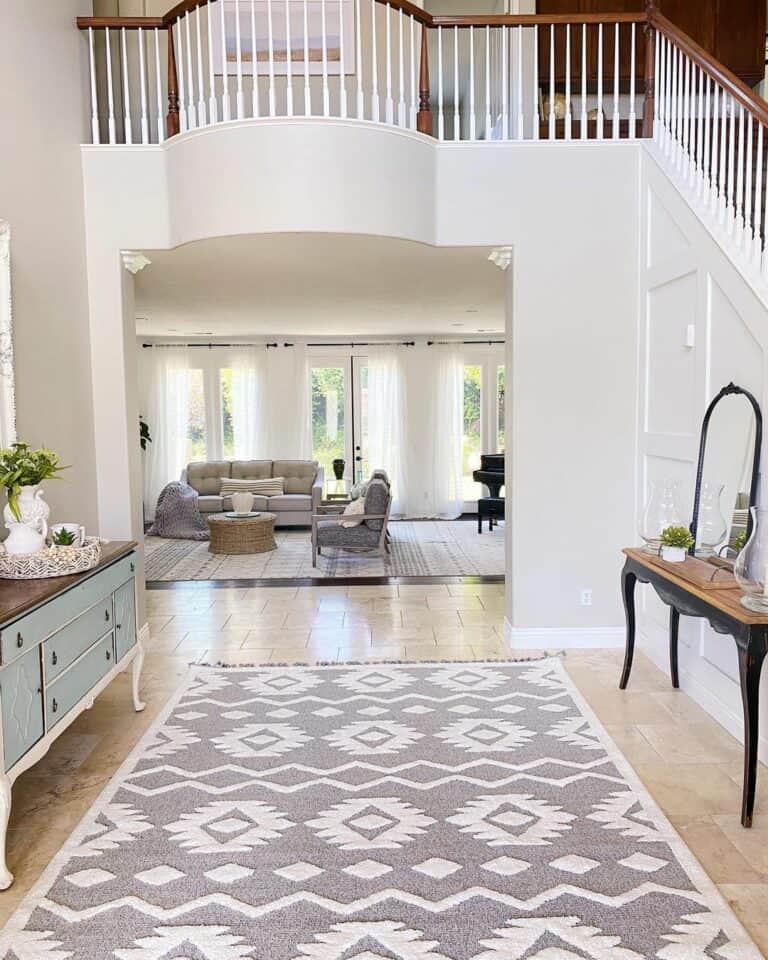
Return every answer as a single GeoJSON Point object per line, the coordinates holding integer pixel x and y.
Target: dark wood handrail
{"type": "Point", "coordinates": [722, 75]}
{"type": "Point", "coordinates": [533, 19]}
{"type": "Point", "coordinates": [116, 23]}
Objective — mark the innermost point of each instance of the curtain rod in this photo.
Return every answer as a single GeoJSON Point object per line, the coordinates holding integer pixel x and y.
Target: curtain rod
{"type": "Point", "coordinates": [210, 346]}
{"type": "Point", "coordinates": [489, 343]}
{"type": "Point", "coordinates": [363, 343]}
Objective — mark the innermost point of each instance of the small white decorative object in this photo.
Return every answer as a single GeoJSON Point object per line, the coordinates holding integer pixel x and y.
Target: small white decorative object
{"type": "Point", "coordinates": [242, 503]}
{"type": "Point", "coordinates": [76, 529]}
{"type": "Point", "coordinates": [28, 534]}
{"type": "Point", "coordinates": [673, 554]}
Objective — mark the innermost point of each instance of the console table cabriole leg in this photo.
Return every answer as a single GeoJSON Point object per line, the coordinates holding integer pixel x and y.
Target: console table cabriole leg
{"type": "Point", "coordinates": [138, 663]}
{"type": "Point", "coordinates": [674, 625]}
{"type": "Point", "coordinates": [628, 581]}
{"type": "Point", "coordinates": [751, 659]}
{"type": "Point", "coordinates": [6, 877]}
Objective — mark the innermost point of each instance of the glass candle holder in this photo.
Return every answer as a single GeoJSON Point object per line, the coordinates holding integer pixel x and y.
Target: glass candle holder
{"type": "Point", "coordinates": [711, 526]}
{"type": "Point", "coordinates": [662, 510]}
{"type": "Point", "coordinates": [751, 566]}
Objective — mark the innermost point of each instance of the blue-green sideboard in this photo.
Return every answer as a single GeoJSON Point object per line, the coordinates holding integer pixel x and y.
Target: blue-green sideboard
{"type": "Point", "coordinates": [62, 640]}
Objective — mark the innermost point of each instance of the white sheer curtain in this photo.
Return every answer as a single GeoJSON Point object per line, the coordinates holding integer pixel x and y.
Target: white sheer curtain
{"type": "Point", "coordinates": [448, 430]}
{"type": "Point", "coordinates": [166, 388]}
{"type": "Point", "coordinates": [387, 420]}
{"type": "Point", "coordinates": [288, 409]}
{"type": "Point", "coordinates": [250, 423]}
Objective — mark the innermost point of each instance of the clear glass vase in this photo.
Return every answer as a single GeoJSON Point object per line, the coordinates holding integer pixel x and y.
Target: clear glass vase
{"type": "Point", "coordinates": [662, 510]}
{"type": "Point", "coordinates": [751, 566]}
{"type": "Point", "coordinates": [712, 526]}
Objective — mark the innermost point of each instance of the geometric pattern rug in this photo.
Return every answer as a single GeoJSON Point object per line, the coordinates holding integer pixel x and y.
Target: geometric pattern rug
{"type": "Point", "coordinates": [376, 812]}
{"type": "Point", "coordinates": [418, 549]}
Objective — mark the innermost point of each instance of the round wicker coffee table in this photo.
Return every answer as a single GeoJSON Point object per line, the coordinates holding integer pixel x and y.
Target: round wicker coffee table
{"type": "Point", "coordinates": [242, 534]}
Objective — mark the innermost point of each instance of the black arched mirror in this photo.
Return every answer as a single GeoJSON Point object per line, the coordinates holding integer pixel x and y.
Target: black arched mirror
{"type": "Point", "coordinates": [727, 473]}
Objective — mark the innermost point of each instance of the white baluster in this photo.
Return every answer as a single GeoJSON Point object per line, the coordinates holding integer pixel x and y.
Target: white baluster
{"type": "Point", "coordinates": [358, 64]}
{"type": "Point", "coordinates": [307, 88]}
{"type": "Point", "coordinates": [375, 104]}
{"type": "Point", "coordinates": [389, 114]}
{"type": "Point", "coordinates": [685, 158]}
{"type": "Point", "coordinates": [213, 107]}
{"type": "Point", "coordinates": [762, 245]}
{"type": "Point", "coordinates": [400, 71]}
{"type": "Point", "coordinates": [551, 117]}
{"type": "Point", "coordinates": [706, 168]}
{"type": "Point", "coordinates": [472, 128]}
{"type": "Point", "coordinates": [747, 199]}
{"type": "Point", "coordinates": [716, 168]}
{"type": "Point", "coordinates": [676, 105]}
{"type": "Point", "coordinates": [505, 83]}
{"type": "Point", "coordinates": [567, 127]}
{"type": "Point", "coordinates": [700, 134]}
{"type": "Point", "coordinates": [757, 222]}
{"type": "Point", "coordinates": [535, 85]}
{"type": "Point", "coordinates": [520, 125]}
{"type": "Point", "coordinates": [731, 198]}
{"type": "Point", "coordinates": [289, 63]}
{"type": "Point", "coordinates": [181, 71]}
{"type": "Point", "coordinates": [143, 88]}
{"type": "Point", "coordinates": [583, 115]}
{"type": "Point", "coordinates": [226, 110]}
{"type": "Point", "coordinates": [201, 106]}
{"type": "Point", "coordinates": [159, 89]}
{"type": "Point", "coordinates": [110, 92]}
{"type": "Point", "coordinates": [691, 122]}
{"type": "Point", "coordinates": [127, 131]}
{"type": "Point", "coordinates": [271, 97]}
{"type": "Point", "coordinates": [239, 96]}
{"type": "Point", "coordinates": [739, 197]}
{"type": "Point", "coordinates": [724, 182]}
{"type": "Point", "coordinates": [488, 124]}
{"type": "Point", "coordinates": [616, 114]}
{"type": "Point", "coordinates": [95, 134]}
{"type": "Point", "coordinates": [191, 112]}
{"type": "Point", "coordinates": [632, 92]}
{"type": "Point", "coordinates": [326, 88]}
{"type": "Point", "coordinates": [413, 109]}
{"type": "Point", "coordinates": [667, 95]}
{"type": "Point", "coordinates": [255, 108]}
{"type": "Point", "coordinates": [600, 125]}
{"type": "Point", "coordinates": [440, 113]}
{"type": "Point", "coordinates": [456, 114]}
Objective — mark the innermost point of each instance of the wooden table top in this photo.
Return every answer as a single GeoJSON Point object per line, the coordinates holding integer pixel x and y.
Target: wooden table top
{"type": "Point", "coordinates": [20, 596]}
{"type": "Point", "coordinates": [728, 601]}
{"type": "Point", "coordinates": [261, 517]}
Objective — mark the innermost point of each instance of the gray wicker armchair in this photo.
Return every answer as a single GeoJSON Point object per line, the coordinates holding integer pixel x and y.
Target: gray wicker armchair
{"type": "Point", "coordinates": [369, 534]}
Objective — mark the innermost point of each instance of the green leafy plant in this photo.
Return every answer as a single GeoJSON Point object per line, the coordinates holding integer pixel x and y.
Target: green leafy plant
{"type": "Point", "coordinates": [676, 537]}
{"type": "Point", "coordinates": [144, 437]}
{"type": "Point", "coordinates": [21, 466]}
{"type": "Point", "coordinates": [63, 538]}
{"type": "Point", "coordinates": [739, 541]}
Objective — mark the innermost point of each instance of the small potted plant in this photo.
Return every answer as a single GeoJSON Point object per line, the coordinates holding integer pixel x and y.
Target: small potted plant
{"type": "Point", "coordinates": [675, 542]}
{"type": "Point", "coordinates": [63, 538]}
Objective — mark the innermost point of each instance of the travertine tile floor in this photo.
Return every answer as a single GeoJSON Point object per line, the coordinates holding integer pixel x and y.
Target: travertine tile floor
{"type": "Point", "coordinates": [690, 764]}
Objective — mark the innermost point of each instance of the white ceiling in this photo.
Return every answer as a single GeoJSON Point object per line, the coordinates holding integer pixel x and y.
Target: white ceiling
{"type": "Point", "coordinates": [317, 284]}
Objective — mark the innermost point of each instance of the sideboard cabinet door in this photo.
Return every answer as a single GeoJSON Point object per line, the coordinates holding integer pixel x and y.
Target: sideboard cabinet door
{"type": "Point", "coordinates": [125, 619]}
{"type": "Point", "coordinates": [22, 706]}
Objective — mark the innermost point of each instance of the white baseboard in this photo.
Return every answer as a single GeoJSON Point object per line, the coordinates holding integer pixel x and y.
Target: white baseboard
{"type": "Point", "coordinates": [564, 638]}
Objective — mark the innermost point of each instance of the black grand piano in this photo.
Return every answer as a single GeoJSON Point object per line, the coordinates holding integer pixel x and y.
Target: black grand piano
{"type": "Point", "coordinates": [491, 474]}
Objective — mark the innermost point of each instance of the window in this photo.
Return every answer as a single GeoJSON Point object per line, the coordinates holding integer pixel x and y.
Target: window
{"type": "Point", "coordinates": [196, 432]}
{"type": "Point", "coordinates": [227, 431]}
{"type": "Point", "coordinates": [473, 429]}
{"type": "Point", "coordinates": [329, 415]}
{"type": "Point", "coordinates": [500, 409]}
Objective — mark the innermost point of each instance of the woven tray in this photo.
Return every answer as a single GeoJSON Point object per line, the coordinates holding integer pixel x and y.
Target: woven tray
{"type": "Point", "coordinates": [51, 562]}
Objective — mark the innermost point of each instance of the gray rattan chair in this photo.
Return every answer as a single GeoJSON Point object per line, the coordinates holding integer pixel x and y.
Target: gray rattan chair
{"type": "Point", "coordinates": [369, 534]}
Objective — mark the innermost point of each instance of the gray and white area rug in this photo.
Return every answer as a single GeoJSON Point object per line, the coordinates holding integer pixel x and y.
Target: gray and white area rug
{"type": "Point", "coordinates": [420, 548]}
{"type": "Point", "coordinates": [406, 812]}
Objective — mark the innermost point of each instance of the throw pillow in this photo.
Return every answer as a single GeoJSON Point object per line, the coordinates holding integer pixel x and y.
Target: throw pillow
{"type": "Point", "coordinates": [266, 487]}
{"type": "Point", "coordinates": [353, 508]}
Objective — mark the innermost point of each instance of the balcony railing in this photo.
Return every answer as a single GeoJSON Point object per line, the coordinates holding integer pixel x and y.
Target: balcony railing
{"type": "Point", "coordinates": [467, 78]}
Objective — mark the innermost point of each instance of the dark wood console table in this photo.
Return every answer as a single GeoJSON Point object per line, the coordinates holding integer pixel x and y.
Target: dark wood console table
{"type": "Point", "coordinates": [725, 613]}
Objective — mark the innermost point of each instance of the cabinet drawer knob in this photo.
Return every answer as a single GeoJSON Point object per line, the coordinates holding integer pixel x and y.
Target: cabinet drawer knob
{"type": "Point", "coordinates": [54, 658]}
{"type": "Point", "coordinates": [109, 654]}
{"type": "Point", "coordinates": [19, 640]}
{"type": "Point", "coordinates": [133, 567]}
{"type": "Point", "coordinates": [106, 615]}
{"type": "Point", "coordinates": [54, 706]}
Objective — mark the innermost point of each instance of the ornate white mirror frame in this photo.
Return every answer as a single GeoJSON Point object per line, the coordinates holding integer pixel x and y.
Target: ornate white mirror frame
{"type": "Point", "coordinates": [7, 383]}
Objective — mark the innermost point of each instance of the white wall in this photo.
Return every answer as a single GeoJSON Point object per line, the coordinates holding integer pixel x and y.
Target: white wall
{"type": "Point", "coordinates": [574, 296]}
{"type": "Point", "coordinates": [41, 195]}
{"type": "Point", "coordinates": [686, 279]}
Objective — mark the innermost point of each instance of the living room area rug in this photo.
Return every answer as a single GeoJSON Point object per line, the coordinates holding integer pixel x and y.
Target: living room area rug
{"type": "Point", "coordinates": [419, 548]}
{"type": "Point", "coordinates": [473, 811]}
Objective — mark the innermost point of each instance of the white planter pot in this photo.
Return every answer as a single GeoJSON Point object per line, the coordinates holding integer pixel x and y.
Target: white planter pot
{"type": "Point", "coordinates": [28, 534]}
{"type": "Point", "coordinates": [242, 502]}
{"type": "Point", "coordinates": [673, 554]}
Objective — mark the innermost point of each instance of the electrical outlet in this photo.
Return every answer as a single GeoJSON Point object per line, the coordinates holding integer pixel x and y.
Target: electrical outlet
{"type": "Point", "coordinates": [585, 598]}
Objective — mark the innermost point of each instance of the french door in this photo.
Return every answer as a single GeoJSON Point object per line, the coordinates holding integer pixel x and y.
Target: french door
{"type": "Point", "coordinates": [484, 395]}
{"type": "Point", "coordinates": [339, 396]}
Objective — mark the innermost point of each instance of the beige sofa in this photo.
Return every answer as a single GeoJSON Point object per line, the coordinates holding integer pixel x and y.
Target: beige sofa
{"type": "Point", "coordinates": [303, 486]}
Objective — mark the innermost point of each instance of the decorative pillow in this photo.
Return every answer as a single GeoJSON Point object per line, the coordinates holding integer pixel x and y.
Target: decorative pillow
{"type": "Point", "coordinates": [353, 508]}
{"type": "Point", "coordinates": [267, 487]}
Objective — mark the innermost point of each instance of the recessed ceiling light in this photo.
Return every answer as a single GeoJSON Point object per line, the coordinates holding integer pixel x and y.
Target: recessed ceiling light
{"type": "Point", "coordinates": [457, 324]}
{"type": "Point", "coordinates": [203, 333]}
{"type": "Point", "coordinates": [471, 310]}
